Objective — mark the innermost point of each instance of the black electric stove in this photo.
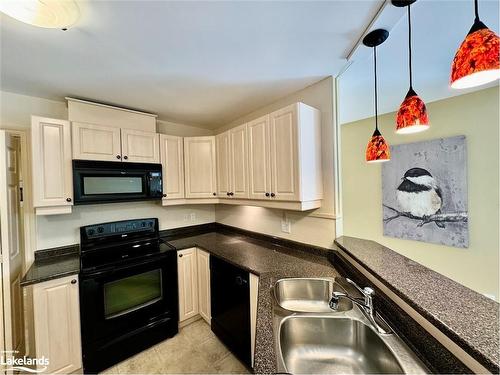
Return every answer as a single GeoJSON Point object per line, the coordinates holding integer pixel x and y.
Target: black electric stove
{"type": "Point", "coordinates": [128, 291]}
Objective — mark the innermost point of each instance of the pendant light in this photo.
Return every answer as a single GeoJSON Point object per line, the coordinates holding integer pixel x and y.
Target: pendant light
{"type": "Point", "coordinates": [377, 149]}
{"type": "Point", "coordinates": [476, 61]}
{"type": "Point", "coordinates": [412, 115]}
{"type": "Point", "coordinates": [52, 14]}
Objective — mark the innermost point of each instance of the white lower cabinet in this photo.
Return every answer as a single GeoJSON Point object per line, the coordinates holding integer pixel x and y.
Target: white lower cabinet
{"type": "Point", "coordinates": [187, 274]}
{"type": "Point", "coordinates": [56, 310]}
{"type": "Point", "coordinates": [193, 268]}
{"type": "Point", "coordinates": [203, 260]}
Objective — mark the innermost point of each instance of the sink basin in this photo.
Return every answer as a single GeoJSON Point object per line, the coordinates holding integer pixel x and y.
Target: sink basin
{"type": "Point", "coordinates": [308, 295]}
{"type": "Point", "coordinates": [334, 345]}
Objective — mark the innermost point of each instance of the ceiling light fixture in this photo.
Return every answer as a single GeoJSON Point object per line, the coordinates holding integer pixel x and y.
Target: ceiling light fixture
{"type": "Point", "coordinates": [476, 61]}
{"type": "Point", "coordinates": [53, 14]}
{"type": "Point", "coordinates": [377, 149]}
{"type": "Point", "coordinates": [412, 115]}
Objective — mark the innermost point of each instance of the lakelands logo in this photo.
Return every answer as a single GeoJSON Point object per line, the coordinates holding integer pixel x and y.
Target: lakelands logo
{"type": "Point", "coordinates": [10, 362]}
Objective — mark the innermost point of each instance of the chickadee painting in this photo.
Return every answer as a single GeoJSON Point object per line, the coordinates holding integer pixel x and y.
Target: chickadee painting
{"type": "Point", "coordinates": [419, 194]}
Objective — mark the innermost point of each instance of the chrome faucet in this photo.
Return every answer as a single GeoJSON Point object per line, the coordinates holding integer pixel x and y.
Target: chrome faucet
{"type": "Point", "coordinates": [366, 304]}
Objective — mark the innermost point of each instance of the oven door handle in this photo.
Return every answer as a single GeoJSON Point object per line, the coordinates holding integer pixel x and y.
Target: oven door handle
{"type": "Point", "coordinates": [111, 271]}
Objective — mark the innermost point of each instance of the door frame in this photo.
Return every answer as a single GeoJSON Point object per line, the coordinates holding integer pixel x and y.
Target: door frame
{"type": "Point", "coordinates": [29, 236]}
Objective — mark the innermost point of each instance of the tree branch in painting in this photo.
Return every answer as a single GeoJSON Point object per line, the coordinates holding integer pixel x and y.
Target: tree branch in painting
{"type": "Point", "coordinates": [439, 219]}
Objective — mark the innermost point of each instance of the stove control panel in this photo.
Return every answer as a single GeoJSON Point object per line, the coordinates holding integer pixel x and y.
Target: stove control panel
{"type": "Point", "coordinates": [120, 228]}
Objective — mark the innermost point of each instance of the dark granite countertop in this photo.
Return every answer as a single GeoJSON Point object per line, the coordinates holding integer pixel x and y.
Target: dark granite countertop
{"type": "Point", "coordinates": [473, 323]}
{"type": "Point", "coordinates": [52, 264]}
{"type": "Point", "coordinates": [270, 262]}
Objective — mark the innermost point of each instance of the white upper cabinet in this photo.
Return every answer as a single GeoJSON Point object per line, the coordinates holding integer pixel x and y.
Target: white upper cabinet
{"type": "Point", "coordinates": [259, 168]}
{"type": "Point", "coordinates": [284, 154]}
{"type": "Point", "coordinates": [52, 165]}
{"type": "Point", "coordinates": [296, 170]}
{"type": "Point", "coordinates": [109, 143]}
{"type": "Point", "coordinates": [96, 142]}
{"type": "Point", "coordinates": [172, 160]}
{"type": "Point", "coordinates": [223, 165]}
{"type": "Point", "coordinates": [238, 149]}
{"type": "Point", "coordinates": [140, 146]}
{"type": "Point", "coordinates": [200, 168]}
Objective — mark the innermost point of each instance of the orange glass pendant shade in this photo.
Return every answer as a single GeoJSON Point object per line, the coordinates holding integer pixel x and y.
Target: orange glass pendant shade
{"type": "Point", "coordinates": [476, 61]}
{"type": "Point", "coordinates": [377, 149]}
{"type": "Point", "coordinates": [412, 115]}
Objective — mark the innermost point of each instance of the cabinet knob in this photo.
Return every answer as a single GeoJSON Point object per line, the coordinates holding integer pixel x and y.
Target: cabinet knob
{"type": "Point", "coordinates": [231, 193]}
{"type": "Point", "coordinates": [180, 255]}
{"type": "Point", "coordinates": [164, 195]}
{"type": "Point", "coordinates": [267, 194]}
{"type": "Point", "coordinates": [228, 194]}
{"type": "Point", "coordinates": [73, 281]}
{"type": "Point", "coordinates": [273, 195]}
{"type": "Point", "coordinates": [214, 194]}
{"type": "Point", "coordinates": [68, 199]}
{"type": "Point", "coordinates": [118, 157]}
{"type": "Point", "coordinates": [125, 157]}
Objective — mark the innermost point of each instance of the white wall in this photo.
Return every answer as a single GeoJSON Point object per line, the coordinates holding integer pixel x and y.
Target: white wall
{"type": "Point", "coordinates": [59, 230]}
{"type": "Point", "coordinates": [306, 226]}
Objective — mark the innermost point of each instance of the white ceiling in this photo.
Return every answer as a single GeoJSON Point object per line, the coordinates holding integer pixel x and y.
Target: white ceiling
{"type": "Point", "coordinates": [201, 63]}
{"type": "Point", "coordinates": [438, 28]}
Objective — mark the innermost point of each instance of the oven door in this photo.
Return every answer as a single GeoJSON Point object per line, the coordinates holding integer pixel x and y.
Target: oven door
{"type": "Point", "coordinates": [116, 302]}
{"type": "Point", "coordinates": [106, 182]}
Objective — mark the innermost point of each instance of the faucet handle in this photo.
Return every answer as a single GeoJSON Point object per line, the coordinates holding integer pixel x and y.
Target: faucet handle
{"type": "Point", "coordinates": [367, 291]}
{"type": "Point", "coordinates": [355, 285]}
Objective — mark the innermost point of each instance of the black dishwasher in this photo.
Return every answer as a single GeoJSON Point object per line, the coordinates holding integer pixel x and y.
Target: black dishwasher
{"type": "Point", "coordinates": [230, 299]}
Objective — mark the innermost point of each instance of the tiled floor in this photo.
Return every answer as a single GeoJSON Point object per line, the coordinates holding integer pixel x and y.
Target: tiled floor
{"type": "Point", "coordinates": [194, 350]}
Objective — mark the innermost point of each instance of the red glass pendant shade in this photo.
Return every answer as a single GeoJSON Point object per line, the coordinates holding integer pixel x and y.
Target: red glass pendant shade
{"type": "Point", "coordinates": [412, 115]}
{"type": "Point", "coordinates": [377, 149]}
{"type": "Point", "coordinates": [477, 59]}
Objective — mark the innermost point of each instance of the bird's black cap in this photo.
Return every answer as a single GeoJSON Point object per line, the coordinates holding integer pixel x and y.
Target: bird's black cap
{"type": "Point", "coordinates": [417, 172]}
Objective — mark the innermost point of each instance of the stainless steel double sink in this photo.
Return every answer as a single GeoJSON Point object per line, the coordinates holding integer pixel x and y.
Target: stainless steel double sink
{"type": "Point", "coordinates": [311, 338]}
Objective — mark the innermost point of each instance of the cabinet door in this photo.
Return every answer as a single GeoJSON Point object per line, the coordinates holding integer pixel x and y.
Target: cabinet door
{"type": "Point", "coordinates": [203, 260]}
{"type": "Point", "coordinates": [172, 160]}
{"type": "Point", "coordinates": [139, 146]}
{"type": "Point", "coordinates": [258, 158]}
{"type": "Point", "coordinates": [96, 142]}
{"type": "Point", "coordinates": [223, 164]}
{"type": "Point", "coordinates": [284, 154]}
{"type": "Point", "coordinates": [199, 162]}
{"type": "Point", "coordinates": [57, 324]}
{"type": "Point", "coordinates": [188, 283]}
{"type": "Point", "coordinates": [52, 169]}
{"type": "Point", "coordinates": [239, 159]}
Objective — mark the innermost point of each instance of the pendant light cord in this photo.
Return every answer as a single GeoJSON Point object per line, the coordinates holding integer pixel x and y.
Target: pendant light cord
{"type": "Point", "coordinates": [476, 9]}
{"type": "Point", "coordinates": [375, 75]}
{"type": "Point", "coordinates": [409, 47]}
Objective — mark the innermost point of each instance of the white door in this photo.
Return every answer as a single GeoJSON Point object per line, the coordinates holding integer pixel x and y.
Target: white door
{"type": "Point", "coordinates": [188, 283]}
{"type": "Point", "coordinates": [200, 168]}
{"type": "Point", "coordinates": [284, 154]}
{"type": "Point", "coordinates": [140, 146]}
{"type": "Point", "coordinates": [11, 244]}
{"type": "Point", "coordinates": [223, 165]}
{"type": "Point", "coordinates": [238, 161]}
{"type": "Point", "coordinates": [96, 142]}
{"type": "Point", "coordinates": [51, 162]}
{"type": "Point", "coordinates": [56, 308]}
{"type": "Point", "coordinates": [259, 174]}
{"type": "Point", "coordinates": [203, 260]}
{"type": "Point", "coordinates": [172, 160]}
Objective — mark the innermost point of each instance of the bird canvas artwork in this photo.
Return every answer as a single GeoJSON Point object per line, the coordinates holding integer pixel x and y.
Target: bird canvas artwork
{"type": "Point", "coordinates": [424, 192]}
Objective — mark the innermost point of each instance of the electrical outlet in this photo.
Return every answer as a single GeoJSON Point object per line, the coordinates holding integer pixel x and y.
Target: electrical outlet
{"type": "Point", "coordinates": [186, 217]}
{"type": "Point", "coordinates": [286, 225]}
{"type": "Point", "coordinates": [193, 217]}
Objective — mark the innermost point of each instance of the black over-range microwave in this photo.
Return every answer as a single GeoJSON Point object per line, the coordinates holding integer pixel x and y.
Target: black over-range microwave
{"type": "Point", "coordinates": [108, 182]}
